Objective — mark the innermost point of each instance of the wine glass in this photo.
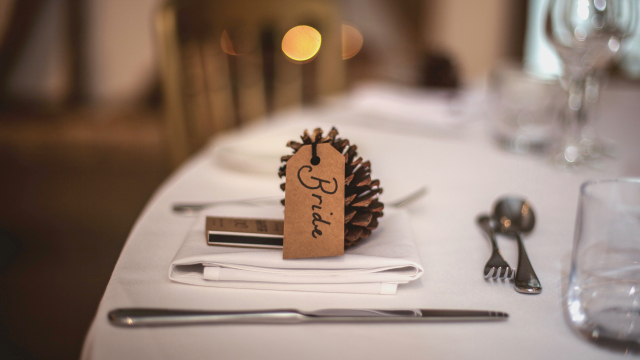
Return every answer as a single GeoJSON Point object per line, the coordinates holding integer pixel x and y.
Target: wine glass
{"type": "Point", "coordinates": [587, 34]}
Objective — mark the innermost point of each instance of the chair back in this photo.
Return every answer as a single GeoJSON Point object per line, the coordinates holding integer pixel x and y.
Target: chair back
{"type": "Point", "coordinates": [222, 64]}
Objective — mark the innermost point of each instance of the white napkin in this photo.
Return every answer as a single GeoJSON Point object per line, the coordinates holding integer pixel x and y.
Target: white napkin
{"type": "Point", "coordinates": [388, 258]}
{"type": "Point", "coordinates": [411, 109]}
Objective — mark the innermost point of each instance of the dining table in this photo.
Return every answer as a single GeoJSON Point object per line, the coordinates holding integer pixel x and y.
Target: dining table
{"type": "Point", "coordinates": [413, 138]}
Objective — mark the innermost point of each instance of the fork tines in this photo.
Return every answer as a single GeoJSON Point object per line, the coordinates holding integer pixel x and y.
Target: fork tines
{"type": "Point", "coordinates": [509, 273]}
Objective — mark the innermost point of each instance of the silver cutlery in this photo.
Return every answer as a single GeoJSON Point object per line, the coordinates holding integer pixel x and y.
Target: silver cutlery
{"type": "Point", "coordinates": [496, 267]}
{"type": "Point", "coordinates": [189, 208]}
{"type": "Point", "coordinates": [409, 198]}
{"type": "Point", "coordinates": [514, 216]}
{"type": "Point", "coordinates": [137, 317]}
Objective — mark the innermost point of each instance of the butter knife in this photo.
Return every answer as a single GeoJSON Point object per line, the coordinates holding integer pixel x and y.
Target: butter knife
{"type": "Point", "coordinates": [136, 317]}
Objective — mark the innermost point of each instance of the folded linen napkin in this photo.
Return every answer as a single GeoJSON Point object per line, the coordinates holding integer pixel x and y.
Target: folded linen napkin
{"type": "Point", "coordinates": [410, 109]}
{"type": "Point", "coordinates": [388, 258]}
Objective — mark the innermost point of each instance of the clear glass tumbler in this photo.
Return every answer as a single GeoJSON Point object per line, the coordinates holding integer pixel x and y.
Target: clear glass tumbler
{"type": "Point", "coordinates": [522, 110]}
{"type": "Point", "coordinates": [603, 299]}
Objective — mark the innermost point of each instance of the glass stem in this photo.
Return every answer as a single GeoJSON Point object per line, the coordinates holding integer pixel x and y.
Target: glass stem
{"type": "Point", "coordinates": [576, 115]}
{"type": "Point", "coordinates": [591, 104]}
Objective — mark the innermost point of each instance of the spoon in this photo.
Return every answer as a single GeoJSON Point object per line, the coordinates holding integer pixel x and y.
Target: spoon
{"type": "Point", "coordinates": [515, 216]}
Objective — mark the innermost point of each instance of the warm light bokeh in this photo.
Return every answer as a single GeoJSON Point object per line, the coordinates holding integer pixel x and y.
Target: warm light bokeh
{"type": "Point", "coordinates": [301, 43]}
{"type": "Point", "coordinates": [351, 41]}
{"type": "Point", "coordinates": [227, 45]}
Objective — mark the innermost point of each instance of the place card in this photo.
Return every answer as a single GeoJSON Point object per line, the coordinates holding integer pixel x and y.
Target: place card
{"type": "Point", "coordinates": [314, 203]}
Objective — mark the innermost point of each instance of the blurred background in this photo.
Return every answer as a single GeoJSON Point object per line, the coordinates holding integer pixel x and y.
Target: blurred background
{"type": "Point", "coordinates": [100, 100]}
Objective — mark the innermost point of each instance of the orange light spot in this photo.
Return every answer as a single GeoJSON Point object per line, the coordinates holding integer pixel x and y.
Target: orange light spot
{"type": "Point", "coordinates": [301, 43]}
{"type": "Point", "coordinates": [351, 41]}
{"type": "Point", "coordinates": [227, 45]}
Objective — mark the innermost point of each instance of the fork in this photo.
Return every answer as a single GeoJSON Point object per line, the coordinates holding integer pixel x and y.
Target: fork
{"type": "Point", "coordinates": [496, 267]}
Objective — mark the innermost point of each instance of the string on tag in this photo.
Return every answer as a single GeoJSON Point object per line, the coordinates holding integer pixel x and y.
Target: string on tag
{"type": "Point", "coordinates": [315, 159]}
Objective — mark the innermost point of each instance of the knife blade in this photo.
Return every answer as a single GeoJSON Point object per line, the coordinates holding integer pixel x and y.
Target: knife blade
{"type": "Point", "coordinates": [137, 317]}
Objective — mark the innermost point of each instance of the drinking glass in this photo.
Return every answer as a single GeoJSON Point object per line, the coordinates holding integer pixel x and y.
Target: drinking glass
{"type": "Point", "coordinates": [522, 109]}
{"type": "Point", "coordinates": [587, 34]}
{"type": "Point", "coordinates": [603, 298]}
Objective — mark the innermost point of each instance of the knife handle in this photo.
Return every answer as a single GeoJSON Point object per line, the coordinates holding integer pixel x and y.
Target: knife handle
{"type": "Point", "coordinates": [132, 317]}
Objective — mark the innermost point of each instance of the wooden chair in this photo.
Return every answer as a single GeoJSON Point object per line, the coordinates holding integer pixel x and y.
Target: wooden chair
{"type": "Point", "coordinates": [222, 64]}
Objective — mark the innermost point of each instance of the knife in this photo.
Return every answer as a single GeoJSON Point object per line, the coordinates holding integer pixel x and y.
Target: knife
{"type": "Point", "coordinates": [137, 317]}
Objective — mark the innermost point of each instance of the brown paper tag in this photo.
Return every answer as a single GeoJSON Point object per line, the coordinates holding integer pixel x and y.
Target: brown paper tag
{"type": "Point", "coordinates": [314, 204]}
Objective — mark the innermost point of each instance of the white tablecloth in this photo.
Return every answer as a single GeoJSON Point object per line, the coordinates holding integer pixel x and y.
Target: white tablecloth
{"type": "Point", "coordinates": [464, 173]}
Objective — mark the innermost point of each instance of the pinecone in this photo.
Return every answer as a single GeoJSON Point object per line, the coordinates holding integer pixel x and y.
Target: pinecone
{"type": "Point", "coordinates": [361, 205]}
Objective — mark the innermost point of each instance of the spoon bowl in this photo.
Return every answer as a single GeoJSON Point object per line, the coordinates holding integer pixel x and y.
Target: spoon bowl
{"type": "Point", "coordinates": [514, 216]}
